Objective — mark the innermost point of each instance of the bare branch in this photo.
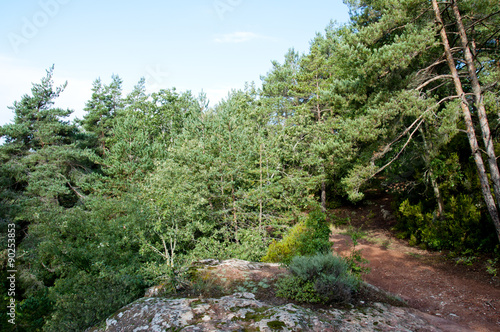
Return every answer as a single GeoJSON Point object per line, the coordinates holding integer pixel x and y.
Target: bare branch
{"type": "Point", "coordinates": [71, 187]}
{"type": "Point", "coordinates": [399, 153]}
{"type": "Point", "coordinates": [436, 87]}
{"type": "Point", "coordinates": [482, 19]}
{"type": "Point", "coordinates": [48, 268]}
{"type": "Point", "coordinates": [437, 62]}
{"type": "Point", "coordinates": [491, 36]}
{"type": "Point", "coordinates": [156, 250]}
{"type": "Point", "coordinates": [435, 78]}
{"type": "Point", "coordinates": [447, 98]}
{"type": "Point", "coordinates": [488, 87]}
{"type": "Point", "coordinates": [387, 148]}
{"type": "Point", "coordinates": [165, 247]}
{"type": "Point", "coordinates": [75, 191]}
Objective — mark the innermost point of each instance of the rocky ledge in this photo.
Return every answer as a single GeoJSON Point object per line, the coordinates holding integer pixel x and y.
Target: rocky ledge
{"type": "Point", "coordinates": [246, 311]}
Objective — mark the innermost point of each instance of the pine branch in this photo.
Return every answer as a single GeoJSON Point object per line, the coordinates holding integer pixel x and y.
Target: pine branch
{"type": "Point", "coordinates": [435, 78]}
{"type": "Point", "coordinates": [72, 188]}
{"type": "Point", "coordinates": [399, 153]}
{"type": "Point", "coordinates": [428, 68]}
{"type": "Point", "coordinates": [387, 148]}
{"type": "Point", "coordinates": [481, 20]}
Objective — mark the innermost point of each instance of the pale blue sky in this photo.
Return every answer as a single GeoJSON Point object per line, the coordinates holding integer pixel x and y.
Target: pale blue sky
{"type": "Point", "coordinates": [214, 45]}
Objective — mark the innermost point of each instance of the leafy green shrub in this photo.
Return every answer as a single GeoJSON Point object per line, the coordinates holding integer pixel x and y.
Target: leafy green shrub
{"type": "Point", "coordinates": [355, 260]}
{"type": "Point", "coordinates": [305, 238]}
{"type": "Point", "coordinates": [491, 266]}
{"type": "Point", "coordinates": [461, 227]}
{"type": "Point", "coordinates": [320, 278]}
{"type": "Point", "coordinates": [284, 250]}
{"type": "Point", "coordinates": [250, 245]}
{"type": "Point", "coordinates": [317, 237]}
{"type": "Point", "coordinates": [295, 288]}
{"type": "Point", "coordinates": [357, 263]}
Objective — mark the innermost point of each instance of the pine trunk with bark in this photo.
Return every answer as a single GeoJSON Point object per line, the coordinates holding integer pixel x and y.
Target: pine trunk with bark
{"type": "Point", "coordinates": [471, 134]}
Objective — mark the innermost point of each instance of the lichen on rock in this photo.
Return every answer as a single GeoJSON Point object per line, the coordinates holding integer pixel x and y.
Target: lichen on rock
{"type": "Point", "coordinates": [244, 311]}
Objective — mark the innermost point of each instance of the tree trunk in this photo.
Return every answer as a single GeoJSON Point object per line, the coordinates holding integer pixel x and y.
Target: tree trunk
{"type": "Point", "coordinates": [483, 119]}
{"type": "Point", "coordinates": [260, 191]}
{"type": "Point", "coordinates": [318, 112]}
{"type": "Point", "coordinates": [483, 176]}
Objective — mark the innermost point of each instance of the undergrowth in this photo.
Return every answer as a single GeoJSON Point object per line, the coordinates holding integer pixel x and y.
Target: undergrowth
{"type": "Point", "coordinates": [305, 238]}
{"type": "Point", "coordinates": [321, 278]}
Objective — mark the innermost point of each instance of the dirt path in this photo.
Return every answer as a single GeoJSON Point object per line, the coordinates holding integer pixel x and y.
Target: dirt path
{"type": "Point", "coordinates": [426, 280]}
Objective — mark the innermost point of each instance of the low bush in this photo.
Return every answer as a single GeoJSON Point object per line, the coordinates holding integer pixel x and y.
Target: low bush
{"type": "Point", "coordinates": [304, 238]}
{"type": "Point", "coordinates": [317, 236]}
{"type": "Point", "coordinates": [298, 289]}
{"type": "Point", "coordinates": [284, 250]}
{"type": "Point", "coordinates": [247, 244]}
{"type": "Point", "coordinates": [322, 278]}
{"type": "Point", "coordinates": [461, 228]}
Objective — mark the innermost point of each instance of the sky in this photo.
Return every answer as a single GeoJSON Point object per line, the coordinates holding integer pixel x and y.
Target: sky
{"type": "Point", "coordinates": [198, 45]}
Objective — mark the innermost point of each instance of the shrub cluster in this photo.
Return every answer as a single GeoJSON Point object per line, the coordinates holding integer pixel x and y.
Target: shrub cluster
{"type": "Point", "coordinates": [305, 238]}
{"type": "Point", "coordinates": [322, 278]}
{"type": "Point", "coordinates": [462, 226]}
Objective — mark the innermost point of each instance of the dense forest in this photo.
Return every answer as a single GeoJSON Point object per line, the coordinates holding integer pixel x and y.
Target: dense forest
{"type": "Point", "coordinates": [404, 99]}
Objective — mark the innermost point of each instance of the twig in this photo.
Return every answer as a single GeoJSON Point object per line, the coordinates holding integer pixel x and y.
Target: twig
{"type": "Point", "coordinates": [491, 305]}
{"type": "Point", "coordinates": [400, 151]}
{"type": "Point", "coordinates": [432, 80]}
{"type": "Point", "coordinates": [388, 146]}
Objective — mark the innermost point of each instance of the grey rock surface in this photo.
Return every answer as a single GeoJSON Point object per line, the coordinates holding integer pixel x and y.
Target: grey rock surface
{"type": "Point", "coordinates": [242, 311]}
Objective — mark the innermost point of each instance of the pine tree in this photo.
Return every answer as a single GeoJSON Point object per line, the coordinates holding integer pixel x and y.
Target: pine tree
{"type": "Point", "coordinates": [478, 101]}
{"type": "Point", "coordinates": [101, 110]}
{"type": "Point", "coordinates": [42, 155]}
{"type": "Point", "coordinates": [402, 40]}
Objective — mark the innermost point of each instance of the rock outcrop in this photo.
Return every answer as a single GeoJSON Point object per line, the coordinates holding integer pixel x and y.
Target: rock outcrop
{"type": "Point", "coordinates": [244, 311]}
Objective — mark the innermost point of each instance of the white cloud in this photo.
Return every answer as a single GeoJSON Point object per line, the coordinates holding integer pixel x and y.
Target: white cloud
{"type": "Point", "coordinates": [238, 37]}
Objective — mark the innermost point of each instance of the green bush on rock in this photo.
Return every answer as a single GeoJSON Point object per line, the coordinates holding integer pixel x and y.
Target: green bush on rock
{"type": "Point", "coordinates": [322, 278]}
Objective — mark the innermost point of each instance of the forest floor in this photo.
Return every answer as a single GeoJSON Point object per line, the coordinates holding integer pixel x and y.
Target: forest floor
{"type": "Point", "coordinates": [426, 280]}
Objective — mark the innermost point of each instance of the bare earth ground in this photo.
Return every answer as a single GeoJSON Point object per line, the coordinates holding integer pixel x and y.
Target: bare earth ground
{"type": "Point", "coordinates": [427, 281]}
